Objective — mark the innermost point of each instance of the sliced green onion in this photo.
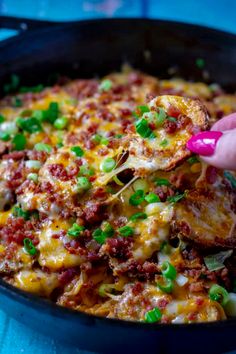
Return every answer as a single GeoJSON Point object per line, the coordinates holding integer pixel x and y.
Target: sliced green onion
{"type": "Point", "coordinates": [172, 119]}
{"type": "Point", "coordinates": [20, 213]}
{"type": "Point", "coordinates": [126, 231]}
{"type": "Point", "coordinates": [34, 89]}
{"type": "Point", "coordinates": [164, 143]}
{"type": "Point", "coordinates": [108, 164]}
{"type": "Point", "coordinates": [192, 160]}
{"type": "Point", "coordinates": [143, 129]}
{"type": "Point", "coordinates": [75, 230]}
{"type": "Point", "coordinates": [105, 85]}
{"type": "Point", "coordinates": [99, 236]}
{"type": "Point", "coordinates": [176, 198]}
{"type": "Point", "coordinates": [86, 171]}
{"type": "Point", "coordinates": [12, 85]}
{"type": "Point", "coordinates": [168, 270]}
{"type": "Point", "coordinates": [118, 136]}
{"type": "Point", "coordinates": [118, 181]}
{"type": "Point", "coordinates": [4, 136]}
{"type": "Point", "coordinates": [33, 177]}
{"type": "Point", "coordinates": [216, 261]}
{"type": "Point", "coordinates": [19, 142]}
{"type": "Point", "coordinates": [83, 183]}
{"type": "Point", "coordinates": [43, 147]}
{"type": "Point", "coordinates": [166, 285]}
{"type": "Point", "coordinates": [161, 116]}
{"type": "Point", "coordinates": [141, 184]}
{"type": "Point", "coordinates": [162, 182]}
{"type": "Point", "coordinates": [107, 229]}
{"type": "Point", "coordinates": [230, 307]}
{"type": "Point", "coordinates": [2, 119]}
{"type": "Point", "coordinates": [153, 315]}
{"type": "Point", "coordinates": [30, 125]}
{"type": "Point", "coordinates": [9, 128]}
{"type": "Point", "coordinates": [200, 63]}
{"type": "Point", "coordinates": [105, 289]}
{"type": "Point", "coordinates": [17, 102]}
{"type": "Point", "coordinates": [140, 110]}
{"type": "Point", "coordinates": [104, 141]}
{"type": "Point", "coordinates": [165, 247]}
{"type": "Point", "coordinates": [60, 123]}
{"type": "Point", "coordinates": [96, 138]}
{"type": "Point", "coordinates": [137, 216]}
{"type": "Point", "coordinates": [137, 198]}
{"type": "Point", "coordinates": [29, 247]}
{"type": "Point", "coordinates": [230, 178]}
{"type": "Point", "coordinates": [152, 198]}
{"type": "Point", "coordinates": [34, 164]}
{"type": "Point", "coordinates": [78, 151]}
{"type": "Point", "coordinates": [219, 294]}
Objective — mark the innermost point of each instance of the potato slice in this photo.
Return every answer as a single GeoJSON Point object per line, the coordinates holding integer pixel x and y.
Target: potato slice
{"type": "Point", "coordinates": [165, 147]}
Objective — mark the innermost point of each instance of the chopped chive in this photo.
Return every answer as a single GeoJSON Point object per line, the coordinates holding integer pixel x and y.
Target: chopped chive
{"type": "Point", "coordinates": [108, 164]}
{"type": "Point", "coordinates": [19, 142]}
{"type": "Point", "coordinates": [153, 315]}
{"type": "Point", "coordinates": [137, 198]}
{"type": "Point", "coordinates": [61, 123]}
{"type": "Point", "coordinates": [34, 164]}
{"type": "Point", "coordinates": [29, 247]}
{"type": "Point", "coordinates": [161, 116]}
{"type": "Point", "coordinates": [137, 216]}
{"type": "Point", "coordinates": [78, 151]}
{"type": "Point", "coordinates": [118, 136]}
{"type": "Point", "coordinates": [152, 198]}
{"type": "Point", "coordinates": [126, 231]}
{"type": "Point", "coordinates": [43, 147]}
{"type": "Point", "coordinates": [75, 230]}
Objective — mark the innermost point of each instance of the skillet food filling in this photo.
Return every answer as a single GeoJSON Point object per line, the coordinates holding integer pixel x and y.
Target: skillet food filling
{"type": "Point", "coordinates": [102, 207]}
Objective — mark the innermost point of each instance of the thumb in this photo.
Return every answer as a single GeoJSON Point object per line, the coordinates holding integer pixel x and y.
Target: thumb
{"type": "Point", "coordinates": [216, 148]}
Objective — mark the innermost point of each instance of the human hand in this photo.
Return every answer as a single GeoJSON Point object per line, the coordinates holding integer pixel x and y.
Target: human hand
{"type": "Point", "coordinates": [217, 147]}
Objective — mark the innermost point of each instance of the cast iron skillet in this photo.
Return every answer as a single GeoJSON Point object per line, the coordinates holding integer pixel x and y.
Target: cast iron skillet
{"type": "Point", "coordinates": [89, 48]}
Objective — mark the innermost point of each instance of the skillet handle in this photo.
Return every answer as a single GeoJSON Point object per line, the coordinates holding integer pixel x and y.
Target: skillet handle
{"type": "Point", "coordinates": [23, 24]}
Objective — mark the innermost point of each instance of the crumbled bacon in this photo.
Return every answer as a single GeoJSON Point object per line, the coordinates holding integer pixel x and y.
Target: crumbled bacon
{"type": "Point", "coordinates": [164, 192]}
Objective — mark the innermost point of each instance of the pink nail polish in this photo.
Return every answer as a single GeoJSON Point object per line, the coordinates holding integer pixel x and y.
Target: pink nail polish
{"type": "Point", "coordinates": [204, 143]}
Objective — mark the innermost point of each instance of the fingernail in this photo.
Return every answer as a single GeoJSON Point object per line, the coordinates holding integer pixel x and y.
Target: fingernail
{"type": "Point", "coordinates": [204, 143]}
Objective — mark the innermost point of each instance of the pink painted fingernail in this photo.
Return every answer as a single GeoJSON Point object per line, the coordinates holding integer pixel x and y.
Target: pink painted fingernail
{"type": "Point", "coordinates": [204, 143]}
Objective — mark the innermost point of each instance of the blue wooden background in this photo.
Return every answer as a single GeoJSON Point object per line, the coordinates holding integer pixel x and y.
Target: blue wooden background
{"type": "Point", "coordinates": [14, 337]}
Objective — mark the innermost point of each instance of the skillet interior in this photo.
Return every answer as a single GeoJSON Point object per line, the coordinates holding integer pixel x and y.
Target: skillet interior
{"type": "Point", "coordinates": [93, 48]}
